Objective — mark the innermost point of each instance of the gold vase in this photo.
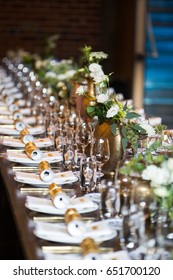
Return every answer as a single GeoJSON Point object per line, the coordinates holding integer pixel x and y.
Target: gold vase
{"type": "Point", "coordinates": [81, 102]}
{"type": "Point", "coordinates": [90, 98]}
{"type": "Point", "coordinates": [116, 152]}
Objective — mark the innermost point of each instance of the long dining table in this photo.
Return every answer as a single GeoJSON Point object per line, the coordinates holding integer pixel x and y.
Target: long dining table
{"type": "Point", "coordinates": [32, 247]}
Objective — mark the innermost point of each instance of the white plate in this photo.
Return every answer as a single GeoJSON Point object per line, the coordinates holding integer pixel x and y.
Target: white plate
{"type": "Point", "coordinates": [34, 179]}
{"type": "Point", "coordinates": [118, 255]}
{"type": "Point", "coordinates": [26, 120]}
{"type": "Point", "coordinates": [24, 111]}
{"type": "Point", "coordinates": [96, 197]}
{"type": "Point", "coordinates": [17, 143]}
{"type": "Point", "coordinates": [5, 129]}
{"type": "Point", "coordinates": [45, 205]}
{"type": "Point", "coordinates": [58, 232]}
{"type": "Point", "coordinates": [21, 157]}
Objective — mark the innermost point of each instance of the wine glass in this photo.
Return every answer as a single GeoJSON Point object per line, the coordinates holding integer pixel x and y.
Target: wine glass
{"type": "Point", "coordinates": [83, 135]}
{"type": "Point", "coordinates": [101, 152]}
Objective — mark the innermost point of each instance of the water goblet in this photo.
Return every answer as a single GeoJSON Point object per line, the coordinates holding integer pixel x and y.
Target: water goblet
{"type": "Point", "coordinates": [101, 151]}
{"type": "Point", "coordinates": [83, 135]}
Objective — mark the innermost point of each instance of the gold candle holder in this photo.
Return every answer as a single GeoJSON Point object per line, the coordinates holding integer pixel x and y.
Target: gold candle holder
{"type": "Point", "coordinates": [88, 246]}
{"type": "Point", "coordinates": [9, 99]}
{"type": "Point", "coordinates": [19, 124]}
{"type": "Point", "coordinates": [25, 136]}
{"type": "Point", "coordinates": [54, 190]}
{"type": "Point", "coordinates": [30, 147]}
{"type": "Point", "coordinates": [59, 198]}
{"type": "Point", "coordinates": [23, 132]}
{"type": "Point", "coordinates": [13, 107]}
{"type": "Point", "coordinates": [17, 121]}
{"type": "Point", "coordinates": [71, 215]}
{"type": "Point", "coordinates": [17, 114]}
{"type": "Point", "coordinates": [43, 165]}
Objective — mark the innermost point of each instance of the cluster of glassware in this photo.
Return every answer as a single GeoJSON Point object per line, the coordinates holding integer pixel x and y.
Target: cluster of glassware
{"type": "Point", "coordinates": [125, 203]}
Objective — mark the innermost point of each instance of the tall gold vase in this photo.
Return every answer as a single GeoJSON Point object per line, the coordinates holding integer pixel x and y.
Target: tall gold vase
{"type": "Point", "coordinates": [116, 152]}
{"type": "Point", "coordinates": [81, 102]}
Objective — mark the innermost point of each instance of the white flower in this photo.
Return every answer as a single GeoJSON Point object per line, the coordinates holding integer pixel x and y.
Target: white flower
{"type": "Point", "coordinates": [38, 64]}
{"type": "Point", "coordinates": [61, 94]}
{"type": "Point", "coordinates": [70, 73]}
{"type": "Point", "coordinates": [112, 111]}
{"type": "Point", "coordinates": [99, 77]}
{"type": "Point", "coordinates": [51, 74]}
{"type": "Point", "coordinates": [60, 84]}
{"type": "Point", "coordinates": [168, 164]}
{"type": "Point", "coordinates": [95, 67]}
{"type": "Point", "coordinates": [81, 90]}
{"type": "Point", "coordinates": [62, 77]}
{"type": "Point", "coordinates": [149, 129]}
{"type": "Point", "coordinates": [149, 172]}
{"type": "Point", "coordinates": [158, 176]}
{"type": "Point", "coordinates": [49, 91]}
{"type": "Point", "coordinates": [102, 98]}
{"type": "Point", "coordinates": [161, 192]}
{"type": "Point", "coordinates": [98, 55]}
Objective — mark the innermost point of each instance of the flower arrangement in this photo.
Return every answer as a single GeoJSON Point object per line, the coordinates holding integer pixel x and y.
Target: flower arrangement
{"type": "Point", "coordinates": [161, 180]}
{"type": "Point", "coordinates": [157, 168]}
{"type": "Point", "coordinates": [56, 75]}
{"type": "Point", "coordinates": [25, 57]}
{"type": "Point", "coordinates": [106, 106]}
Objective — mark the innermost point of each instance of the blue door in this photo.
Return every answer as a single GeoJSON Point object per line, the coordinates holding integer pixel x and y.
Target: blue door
{"type": "Point", "coordinates": [158, 80]}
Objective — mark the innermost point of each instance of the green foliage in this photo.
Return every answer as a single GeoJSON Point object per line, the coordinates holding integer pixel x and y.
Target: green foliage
{"type": "Point", "coordinates": [139, 162]}
{"type": "Point", "coordinates": [114, 129]}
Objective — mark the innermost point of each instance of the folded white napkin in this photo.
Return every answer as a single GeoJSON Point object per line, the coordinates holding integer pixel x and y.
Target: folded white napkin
{"type": "Point", "coordinates": [21, 157]}
{"type": "Point", "coordinates": [7, 80]}
{"type": "Point", "coordinates": [45, 205]}
{"type": "Point", "coordinates": [29, 120]}
{"type": "Point", "coordinates": [80, 203]}
{"type": "Point", "coordinates": [119, 255]}
{"type": "Point", "coordinates": [32, 178]}
{"type": "Point", "coordinates": [8, 83]}
{"type": "Point", "coordinates": [5, 112]}
{"type": "Point", "coordinates": [12, 131]}
{"type": "Point", "coordinates": [13, 142]}
{"type": "Point", "coordinates": [52, 256]}
{"type": "Point", "coordinates": [6, 121]}
{"type": "Point", "coordinates": [58, 232]}
{"type": "Point", "coordinates": [24, 111]}
{"type": "Point", "coordinates": [10, 90]}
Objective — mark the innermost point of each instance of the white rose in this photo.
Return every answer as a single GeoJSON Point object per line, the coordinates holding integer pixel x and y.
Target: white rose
{"type": "Point", "coordinates": [168, 164]}
{"type": "Point", "coordinates": [102, 98]}
{"type": "Point", "coordinates": [81, 90]}
{"type": "Point", "coordinates": [157, 175]}
{"type": "Point", "coordinates": [49, 91]}
{"type": "Point", "coordinates": [161, 192]}
{"type": "Point", "coordinates": [70, 73]}
{"type": "Point", "coordinates": [112, 111]}
{"type": "Point", "coordinates": [150, 172]}
{"type": "Point", "coordinates": [171, 178]}
{"type": "Point", "coordinates": [99, 77]}
{"type": "Point", "coordinates": [38, 64]}
{"type": "Point", "coordinates": [149, 129]}
{"type": "Point", "coordinates": [62, 77]}
{"type": "Point", "coordinates": [51, 75]}
{"type": "Point", "coordinates": [95, 67]}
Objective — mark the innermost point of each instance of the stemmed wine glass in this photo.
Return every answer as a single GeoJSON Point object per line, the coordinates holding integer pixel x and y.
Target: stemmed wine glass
{"type": "Point", "coordinates": [101, 152]}
{"type": "Point", "coordinates": [83, 135]}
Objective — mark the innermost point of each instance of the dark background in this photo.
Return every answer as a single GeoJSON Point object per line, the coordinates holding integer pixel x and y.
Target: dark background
{"type": "Point", "coordinates": [106, 25]}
